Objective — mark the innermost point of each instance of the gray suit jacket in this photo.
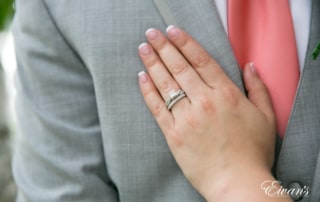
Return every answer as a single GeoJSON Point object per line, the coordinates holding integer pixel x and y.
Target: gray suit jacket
{"type": "Point", "coordinates": [85, 133]}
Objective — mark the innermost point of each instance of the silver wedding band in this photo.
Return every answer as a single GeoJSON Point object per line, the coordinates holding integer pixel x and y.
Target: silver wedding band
{"type": "Point", "coordinates": [174, 98]}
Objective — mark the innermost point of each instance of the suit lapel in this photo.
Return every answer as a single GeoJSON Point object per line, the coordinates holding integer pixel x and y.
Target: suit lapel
{"type": "Point", "coordinates": [298, 160]}
{"type": "Point", "coordinates": [202, 21]}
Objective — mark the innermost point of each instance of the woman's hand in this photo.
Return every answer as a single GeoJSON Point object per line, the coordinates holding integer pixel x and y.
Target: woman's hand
{"type": "Point", "coordinates": [218, 136]}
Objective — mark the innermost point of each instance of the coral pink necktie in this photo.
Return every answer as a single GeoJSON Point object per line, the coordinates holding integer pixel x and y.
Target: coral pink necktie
{"type": "Point", "coordinates": [261, 31]}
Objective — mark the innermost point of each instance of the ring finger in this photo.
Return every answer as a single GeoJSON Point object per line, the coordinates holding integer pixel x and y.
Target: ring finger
{"type": "Point", "coordinates": [162, 79]}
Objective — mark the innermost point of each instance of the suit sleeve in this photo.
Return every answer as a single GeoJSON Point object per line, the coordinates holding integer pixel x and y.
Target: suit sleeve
{"type": "Point", "coordinates": [58, 150]}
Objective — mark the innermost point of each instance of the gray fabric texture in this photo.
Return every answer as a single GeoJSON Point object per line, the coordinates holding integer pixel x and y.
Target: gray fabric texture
{"type": "Point", "coordinates": [85, 133]}
{"type": "Point", "coordinates": [299, 156]}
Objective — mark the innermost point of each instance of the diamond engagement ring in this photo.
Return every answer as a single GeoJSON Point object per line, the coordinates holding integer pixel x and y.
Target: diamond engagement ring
{"type": "Point", "coordinates": [174, 97]}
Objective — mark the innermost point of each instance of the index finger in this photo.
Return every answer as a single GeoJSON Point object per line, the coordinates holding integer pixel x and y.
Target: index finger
{"type": "Point", "coordinates": [206, 66]}
{"type": "Point", "coordinates": [176, 63]}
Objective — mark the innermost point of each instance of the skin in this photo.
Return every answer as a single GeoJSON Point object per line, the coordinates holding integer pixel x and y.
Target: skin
{"type": "Point", "coordinates": [222, 140]}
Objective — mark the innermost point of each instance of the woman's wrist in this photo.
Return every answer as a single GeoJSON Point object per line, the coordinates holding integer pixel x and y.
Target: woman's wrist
{"type": "Point", "coordinates": [242, 184]}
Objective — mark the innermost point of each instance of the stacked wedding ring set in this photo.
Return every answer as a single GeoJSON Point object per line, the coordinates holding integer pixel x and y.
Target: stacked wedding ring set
{"type": "Point", "coordinates": [174, 98]}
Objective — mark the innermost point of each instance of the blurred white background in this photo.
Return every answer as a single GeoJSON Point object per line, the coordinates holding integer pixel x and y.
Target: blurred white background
{"type": "Point", "coordinates": [7, 57]}
{"type": "Point", "coordinates": [7, 123]}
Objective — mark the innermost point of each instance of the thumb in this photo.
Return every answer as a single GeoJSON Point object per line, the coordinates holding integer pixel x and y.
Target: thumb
{"type": "Point", "coordinates": [257, 92]}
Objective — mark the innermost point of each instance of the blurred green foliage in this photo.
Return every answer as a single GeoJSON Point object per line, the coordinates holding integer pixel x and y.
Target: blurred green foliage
{"type": "Point", "coordinates": [6, 13]}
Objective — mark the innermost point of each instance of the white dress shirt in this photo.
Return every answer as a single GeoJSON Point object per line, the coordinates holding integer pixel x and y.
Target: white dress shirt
{"type": "Point", "coordinates": [301, 15]}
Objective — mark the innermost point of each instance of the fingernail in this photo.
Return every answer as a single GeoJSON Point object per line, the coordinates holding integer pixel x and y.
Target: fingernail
{"type": "Point", "coordinates": [252, 68]}
{"type": "Point", "coordinates": [173, 31]}
{"type": "Point", "coordinates": [144, 49]}
{"type": "Point", "coordinates": [152, 34]}
{"type": "Point", "coordinates": [143, 77]}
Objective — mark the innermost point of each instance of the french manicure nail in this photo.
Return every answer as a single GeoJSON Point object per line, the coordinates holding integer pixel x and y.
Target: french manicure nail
{"type": "Point", "coordinates": [173, 31]}
{"type": "Point", "coordinates": [152, 34]}
{"type": "Point", "coordinates": [144, 49]}
{"type": "Point", "coordinates": [143, 77]}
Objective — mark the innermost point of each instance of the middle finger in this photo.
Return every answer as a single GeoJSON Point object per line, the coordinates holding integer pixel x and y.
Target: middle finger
{"type": "Point", "coordinates": [160, 76]}
{"type": "Point", "coordinates": [177, 65]}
